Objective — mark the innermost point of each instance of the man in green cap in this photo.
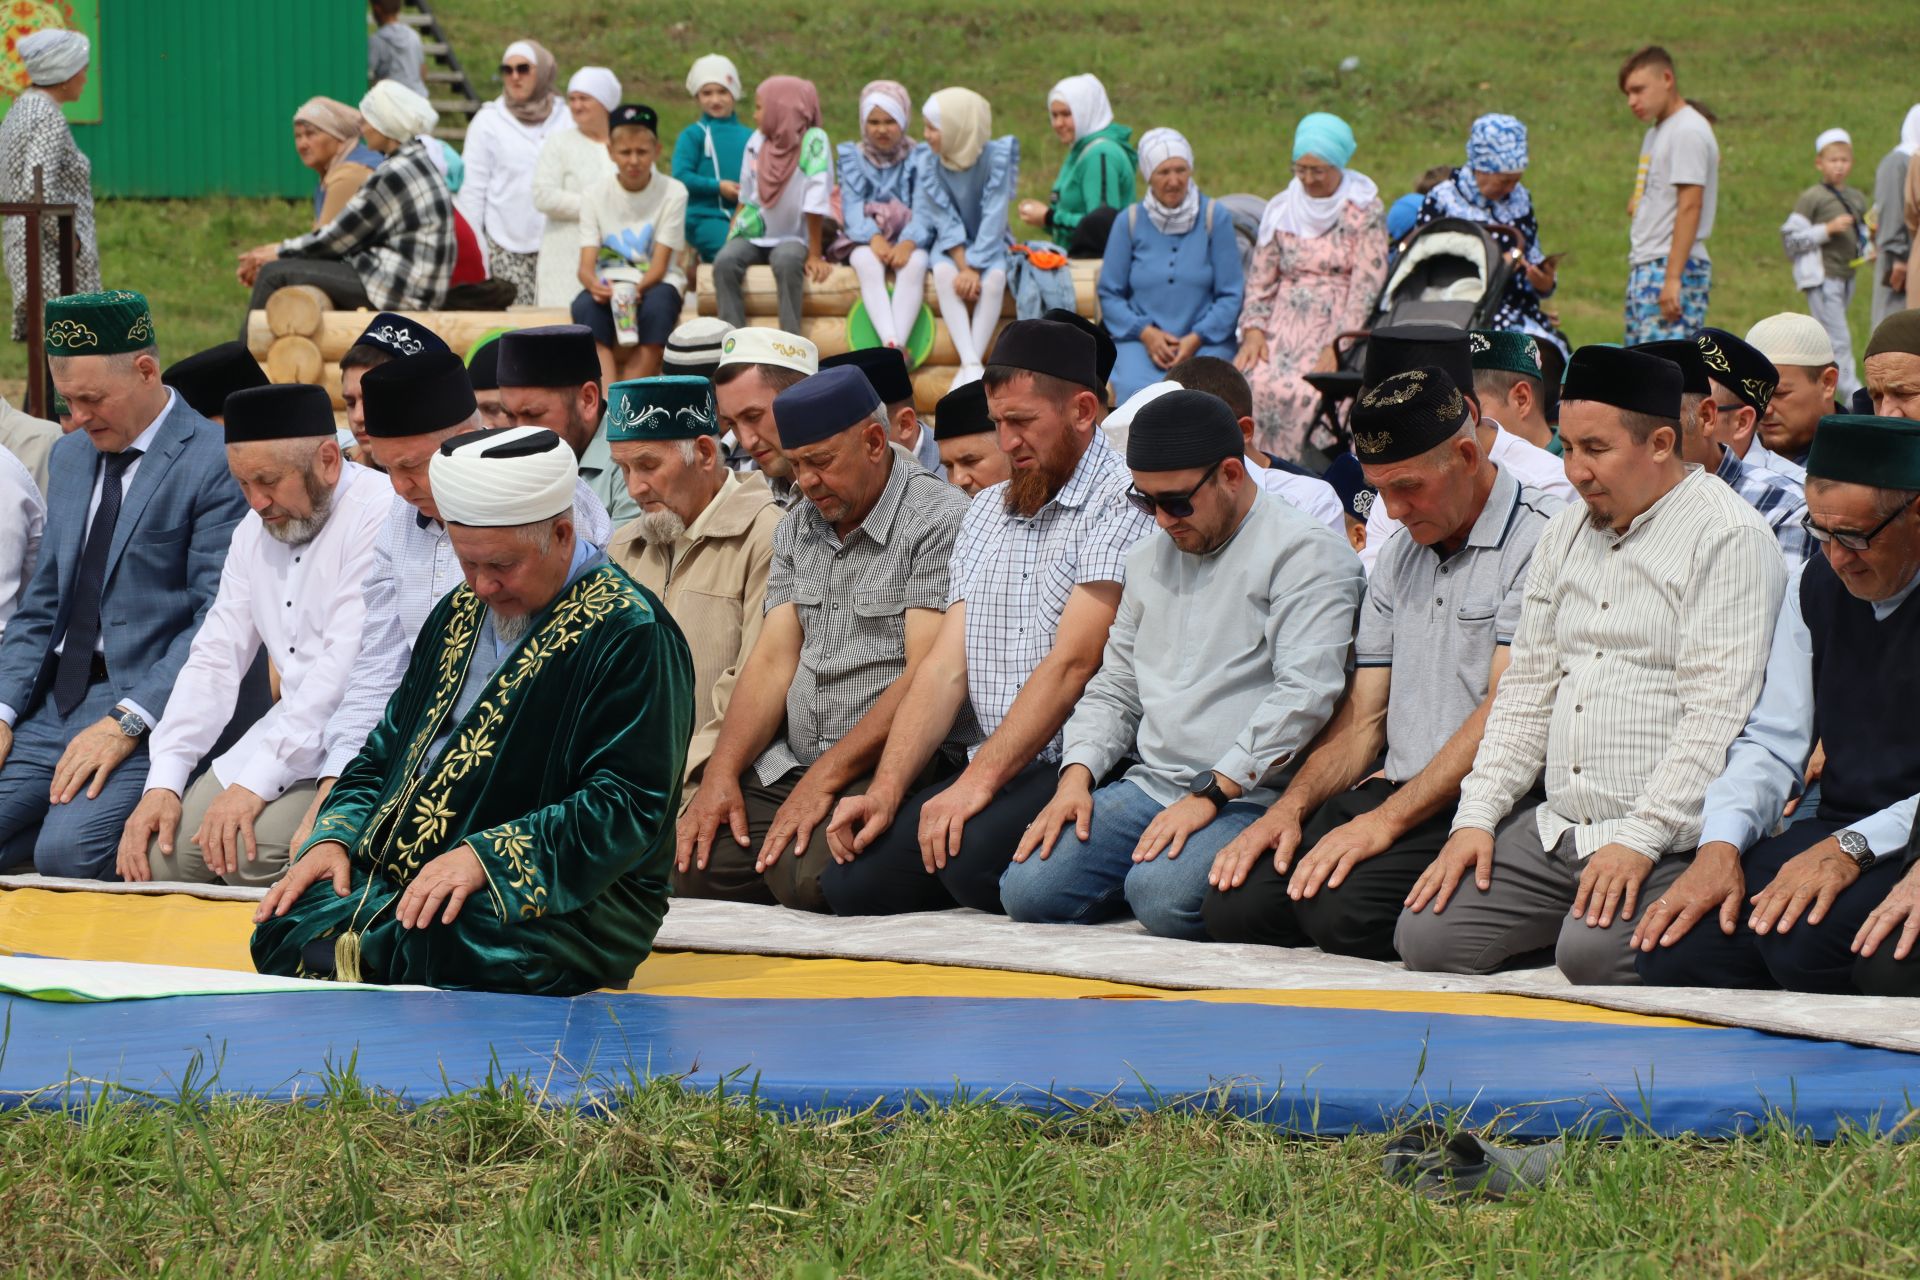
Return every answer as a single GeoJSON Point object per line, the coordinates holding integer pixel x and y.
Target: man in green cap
{"type": "Point", "coordinates": [703, 540]}
{"type": "Point", "coordinates": [1510, 380]}
{"type": "Point", "coordinates": [141, 508]}
{"type": "Point", "coordinates": [1840, 673]}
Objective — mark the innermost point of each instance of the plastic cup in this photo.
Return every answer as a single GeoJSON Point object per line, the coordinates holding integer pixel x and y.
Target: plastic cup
{"type": "Point", "coordinates": [626, 312]}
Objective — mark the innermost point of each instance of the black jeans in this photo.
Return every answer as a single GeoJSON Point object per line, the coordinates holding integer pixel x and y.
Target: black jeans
{"type": "Point", "coordinates": [336, 279]}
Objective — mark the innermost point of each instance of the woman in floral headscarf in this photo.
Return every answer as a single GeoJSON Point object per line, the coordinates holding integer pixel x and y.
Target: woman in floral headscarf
{"type": "Point", "coordinates": [1488, 189]}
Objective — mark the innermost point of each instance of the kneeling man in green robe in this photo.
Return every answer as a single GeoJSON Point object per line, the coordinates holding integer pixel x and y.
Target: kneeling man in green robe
{"type": "Point", "coordinates": [509, 825]}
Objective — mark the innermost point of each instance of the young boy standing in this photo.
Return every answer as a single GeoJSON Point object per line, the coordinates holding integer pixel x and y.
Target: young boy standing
{"type": "Point", "coordinates": [1836, 215]}
{"type": "Point", "coordinates": [635, 207]}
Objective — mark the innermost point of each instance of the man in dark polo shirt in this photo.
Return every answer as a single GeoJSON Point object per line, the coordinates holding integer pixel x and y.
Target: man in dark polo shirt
{"type": "Point", "coordinates": [1761, 910]}
{"type": "Point", "coordinates": [1440, 610]}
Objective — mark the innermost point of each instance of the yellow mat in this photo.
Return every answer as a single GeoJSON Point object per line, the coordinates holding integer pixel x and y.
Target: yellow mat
{"type": "Point", "coordinates": [176, 929]}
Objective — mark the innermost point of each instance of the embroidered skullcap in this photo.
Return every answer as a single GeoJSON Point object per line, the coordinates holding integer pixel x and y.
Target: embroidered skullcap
{"type": "Point", "coordinates": [1898, 334]}
{"type": "Point", "coordinates": [289, 411]}
{"type": "Point", "coordinates": [1683, 352]}
{"type": "Point", "coordinates": [1736, 365]}
{"type": "Point", "coordinates": [1105, 352]}
{"type": "Point", "coordinates": [1864, 449]}
{"type": "Point", "coordinates": [776, 347]}
{"type": "Point", "coordinates": [694, 347]}
{"type": "Point", "coordinates": [1497, 144]}
{"type": "Point", "coordinates": [98, 324]}
{"type": "Point", "coordinates": [1630, 380]}
{"type": "Point", "coordinates": [1157, 146]}
{"type": "Point", "coordinates": [1505, 351]}
{"type": "Point", "coordinates": [714, 68]}
{"type": "Point", "coordinates": [416, 395]}
{"type": "Point", "coordinates": [483, 361]}
{"type": "Point", "coordinates": [962, 412]}
{"type": "Point", "coordinates": [398, 336]}
{"type": "Point", "coordinates": [634, 114]}
{"type": "Point", "coordinates": [53, 55]}
{"type": "Point", "coordinates": [1182, 429]}
{"type": "Point", "coordinates": [503, 478]}
{"type": "Point", "coordinates": [1398, 348]}
{"type": "Point", "coordinates": [1830, 137]}
{"type": "Point", "coordinates": [1051, 347]}
{"type": "Point", "coordinates": [673, 407]}
{"type": "Point", "coordinates": [1407, 414]}
{"type": "Point", "coordinates": [1350, 485]}
{"type": "Point", "coordinates": [398, 111]}
{"type": "Point", "coordinates": [206, 378]}
{"type": "Point", "coordinates": [549, 355]}
{"type": "Point", "coordinates": [823, 405]}
{"type": "Point", "coordinates": [1792, 337]}
{"type": "Point", "coordinates": [885, 367]}
{"type": "Point", "coordinates": [597, 83]}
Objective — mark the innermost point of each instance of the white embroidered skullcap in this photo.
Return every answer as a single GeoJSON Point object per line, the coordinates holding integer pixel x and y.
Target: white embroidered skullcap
{"type": "Point", "coordinates": [770, 346]}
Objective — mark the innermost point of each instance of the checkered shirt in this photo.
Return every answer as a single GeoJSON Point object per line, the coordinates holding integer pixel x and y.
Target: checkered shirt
{"type": "Point", "coordinates": [1780, 502]}
{"type": "Point", "coordinates": [396, 231]}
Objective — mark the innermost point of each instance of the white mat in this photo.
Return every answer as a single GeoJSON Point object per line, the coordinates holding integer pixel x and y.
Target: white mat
{"type": "Point", "coordinates": [86, 981]}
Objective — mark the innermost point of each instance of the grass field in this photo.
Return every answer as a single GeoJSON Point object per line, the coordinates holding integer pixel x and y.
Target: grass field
{"type": "Point", "coordinates": [1234, 76]}
{"type": "Point", "coordinates": [675, 1184]}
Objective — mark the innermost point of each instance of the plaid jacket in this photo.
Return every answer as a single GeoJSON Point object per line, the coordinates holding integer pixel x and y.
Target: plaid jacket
{"type": "Point", "coordinates": [397, 232]}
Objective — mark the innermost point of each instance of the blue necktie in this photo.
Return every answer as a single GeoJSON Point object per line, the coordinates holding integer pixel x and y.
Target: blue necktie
{"type": "Point", "coordinates": [83, 621]}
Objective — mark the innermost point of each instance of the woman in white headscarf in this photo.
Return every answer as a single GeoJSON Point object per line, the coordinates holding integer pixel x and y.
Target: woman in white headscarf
{"type": "Point", "coordinates": [1096, 178]}
{"type": "Point", "coordinates": [962, 200]}
{"type": "Point", "coordinates": [878, 177]}
{"type": "Point", "coordinates": [571, 162]}
{"type": "Point", "coordinates": [1893, 242]}
{"type": "Point", "coordinates": [1170, 284]}
{"type": "Point", "coordinates": [503, 146]}
{"type": "Point", "coordinates": [33, 136]}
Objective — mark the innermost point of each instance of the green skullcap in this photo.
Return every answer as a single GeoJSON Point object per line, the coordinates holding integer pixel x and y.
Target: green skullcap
{"type": "Point", "coordinates": [674, 407]}
{"type": "Point", "coordinates": [1505, 351]}
{"type": "Point", "coordinates": [1860, 449]}
{"type": "Point", "coordinates": [99, 324]}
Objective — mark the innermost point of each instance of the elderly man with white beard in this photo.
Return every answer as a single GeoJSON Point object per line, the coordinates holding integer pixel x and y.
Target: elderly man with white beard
{"type": "Point", "coordinates": [291, 584]}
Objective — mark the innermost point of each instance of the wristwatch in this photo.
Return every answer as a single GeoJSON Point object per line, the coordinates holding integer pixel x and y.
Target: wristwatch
{"type": "Point", "coordinates": [130, 722]}
{"type": "Point", "coordinates": [1855, 846]}
{"type": "Point", "coordinates": [1207, 787]}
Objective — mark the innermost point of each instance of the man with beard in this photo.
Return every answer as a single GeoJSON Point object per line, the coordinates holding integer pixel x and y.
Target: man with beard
{"type": "Point", "coordinates": [291, 585]}
{"type": "Point", "coordinates": [413, 404]}
{"type": "Point", "coordinates": [549, 377]}
{"type": "Point", "coordinates": [509, 823]}
{"type": "Point", "coordinates": [703, 541]}
{"type": "Point", "coordinates": [1641, 648]}
{"type": "Point", "coordinates": [755, 366]}
{"type": "Point", "coordinates": [1035, 580]}
{"type": "Point", "coordinates": [854, 603]}
{"type": "Point", "coordinates": [969, 447]}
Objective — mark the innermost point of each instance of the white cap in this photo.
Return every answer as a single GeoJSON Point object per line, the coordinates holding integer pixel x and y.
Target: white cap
{"type": "Point", "coordinates": [503, 478]}
{"type": "Point", "coordinates": [1830, 137]}
{"type": "Point", "coordinates": [1120, 421]}
{"type": "Point", "coordinates": [697, 343]}
{"type": "Point", "coordinates": [776, 347]}
{"type": "Point", "coordinates": [1792, 337]}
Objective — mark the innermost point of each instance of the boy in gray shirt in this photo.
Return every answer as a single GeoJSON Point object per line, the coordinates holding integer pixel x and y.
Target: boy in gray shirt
{"type": "Point", "coordinates": [394, 51]}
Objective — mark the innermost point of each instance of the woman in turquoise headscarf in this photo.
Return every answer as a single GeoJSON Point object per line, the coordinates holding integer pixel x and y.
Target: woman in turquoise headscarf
{"type": "Point", "coordinates": [1319, 263]}
{"type": "Point", "coordinates": [706, 159]}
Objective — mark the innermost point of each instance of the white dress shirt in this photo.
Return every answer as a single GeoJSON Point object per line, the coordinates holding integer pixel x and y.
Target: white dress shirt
{"type": "Point", "coordinates": [305, 606]}
{"type": "Point", "coordinates": [23, 518]}
{"type": "Point", "coordinates": [1310, 494]}
{"type": "Point", "coordinates": [1518, 456]}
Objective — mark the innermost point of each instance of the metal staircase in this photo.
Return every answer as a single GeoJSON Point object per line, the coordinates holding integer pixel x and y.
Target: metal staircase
{"type": "Point", "coordinates": [450, 90]}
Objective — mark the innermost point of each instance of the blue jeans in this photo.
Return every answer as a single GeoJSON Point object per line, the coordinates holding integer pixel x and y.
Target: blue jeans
{"type": "Point", "coordinates": [82, 837]}
{"type": "Point", "coordinates": [1082, 883]}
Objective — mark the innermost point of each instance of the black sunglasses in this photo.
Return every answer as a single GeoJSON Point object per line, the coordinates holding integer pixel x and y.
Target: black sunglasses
{"type": "Point", "coordinates": [1177, 505]}
{"type": "Point", "coordinates": [1851, 541]}
{"type": "Point", "coordinates": [516, 68]}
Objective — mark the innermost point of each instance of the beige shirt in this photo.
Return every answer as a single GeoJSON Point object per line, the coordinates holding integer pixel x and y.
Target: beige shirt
{"type": "Point", "coordinates": [29, 439]}
{"type": "Point", "coordinates": [713, 579]}
{"type": "Point", "coordinates": [1637, 660]}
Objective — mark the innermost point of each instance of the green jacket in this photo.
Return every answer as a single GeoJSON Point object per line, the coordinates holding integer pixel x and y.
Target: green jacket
{"type": "Point", "coordinates": [1099, 170]}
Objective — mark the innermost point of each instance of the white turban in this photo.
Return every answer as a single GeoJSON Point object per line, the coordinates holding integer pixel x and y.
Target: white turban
{"type": "Point", "coordinates": [53, 56]}
{"type": "Point", "coordinates": [398, 111]}
{"type": "Point", "coordinates": [503, 478]}
{"type": "Point", "coordinates": [1830, 137]}
{"type": "Point", "coordinates": [597, 83]}
{"type": "Point", "coordinates": [715, 68]}
{"type": "Point", "coordinates": [1161, 145]}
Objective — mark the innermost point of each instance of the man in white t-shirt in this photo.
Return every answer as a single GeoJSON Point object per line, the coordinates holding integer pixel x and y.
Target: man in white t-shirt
{"type": "Point", "coordinates": [1672, 207]}
{"type": "Point", "coordinates": [644, 211]}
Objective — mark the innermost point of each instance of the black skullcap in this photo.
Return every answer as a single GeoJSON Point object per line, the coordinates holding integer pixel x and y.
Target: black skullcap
{"type": "Point", "coordinates": [205, 379]}
{"type": "Point", "coordinates": [962, 412]}
{"type": "Point", "coordinates": [1105, 351]}
{"type": "Point", "coordinates": [1683, 352]}
{"type": "Point", "coordinates": [1181, 430]}
{"type": "Point", "coordinates": [289, 411]}
{"type": "Point", "coordinates": [823, 405]}
{"type": "Point", "coordinates": [1405, 415]}
{"type": "Point", "coordinates": [1630, 380]}
{"type": "Point", "coordinates": [885, 367]}
{"type": "Point", "coordinates": [1400, 347]}
{"type": "Point", "coordinates": [483, 366]}
{"type": "Point", "coordinates": [634, 113]}
{"type": "Point", "coordinates": [417, 395]}
{"type": "Point", "coordinates": [1737, 365]}
{"type": "Point", "coordinates": [398, 336]}
{"type": "Point", "coordinates": [1058, 350]}
{"type": "Point", "coordinates": [549, 355]}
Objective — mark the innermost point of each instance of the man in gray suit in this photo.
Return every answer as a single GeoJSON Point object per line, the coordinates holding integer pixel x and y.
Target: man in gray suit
{"type": "Point", "coordinates": [141, 508]}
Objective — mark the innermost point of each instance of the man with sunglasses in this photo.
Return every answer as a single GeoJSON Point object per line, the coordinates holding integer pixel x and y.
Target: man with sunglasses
{"type": "Point", "coordinates": [1841, 672]}
{"type": "Point", "coordinates": [1227, 657]}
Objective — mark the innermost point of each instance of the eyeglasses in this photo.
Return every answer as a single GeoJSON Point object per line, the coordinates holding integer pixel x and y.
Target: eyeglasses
{"type": "Point", "coordinates": [1312, 171]}
{"type": "Point", "coordinates": [1177, 505]}
{"type": "Point", "coordinates": [1851, 541]}
{"type": "Point", "coordinates": [516, 68]}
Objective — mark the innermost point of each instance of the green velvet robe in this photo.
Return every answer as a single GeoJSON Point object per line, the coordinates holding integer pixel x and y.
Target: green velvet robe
{"type": "Point", "coordinates": [564, 777]}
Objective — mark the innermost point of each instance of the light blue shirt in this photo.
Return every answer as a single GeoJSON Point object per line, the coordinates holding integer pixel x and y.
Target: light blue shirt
{"type": "Point", "coordinates": [1767, 761]}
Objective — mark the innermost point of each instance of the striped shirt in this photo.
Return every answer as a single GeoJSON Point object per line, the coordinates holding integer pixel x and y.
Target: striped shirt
{"type": "Point", "coordinates": [1638, 658]}
{"type": "Point", "coordinates": [1777, 497]}
{"type": "Point", "coordinates": [1016, 573]}
{"type": "Point", "coordinates": [852, 596]}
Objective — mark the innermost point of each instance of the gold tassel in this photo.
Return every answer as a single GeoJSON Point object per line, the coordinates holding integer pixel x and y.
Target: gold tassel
{"type": "Point", "coordinates": [346, 957]}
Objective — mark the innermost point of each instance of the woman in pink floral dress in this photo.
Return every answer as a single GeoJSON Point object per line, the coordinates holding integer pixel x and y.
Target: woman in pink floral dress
{"type": "Point", "coordinates": [1319, 264]}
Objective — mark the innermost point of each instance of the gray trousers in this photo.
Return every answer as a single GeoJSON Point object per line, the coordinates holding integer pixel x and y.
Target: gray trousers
{"type": "Point", "coordinates": [272, 835]}
{"type": "Point", "coordinates": [1886, 300]}
{"type": "Point", "coordinates": [1525, 910]}
{"type": "Point", "coordinates": [788, 260]}
{"type": "Point", "coordinates": [1828, 304]}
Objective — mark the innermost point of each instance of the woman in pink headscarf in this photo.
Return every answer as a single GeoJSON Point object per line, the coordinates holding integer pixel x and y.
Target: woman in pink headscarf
{"type": "Point", "coordinates": [786, 196]}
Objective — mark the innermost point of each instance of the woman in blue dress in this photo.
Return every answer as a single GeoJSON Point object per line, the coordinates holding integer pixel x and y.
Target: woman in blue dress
{"type": "Point", "coordinates": [879, 177]}
{"type": "Point", "coordinates": [963, 195]}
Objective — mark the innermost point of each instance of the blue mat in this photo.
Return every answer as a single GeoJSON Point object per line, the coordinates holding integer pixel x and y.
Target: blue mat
{"type": "Point", "coordinates": [1310, 1070]}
